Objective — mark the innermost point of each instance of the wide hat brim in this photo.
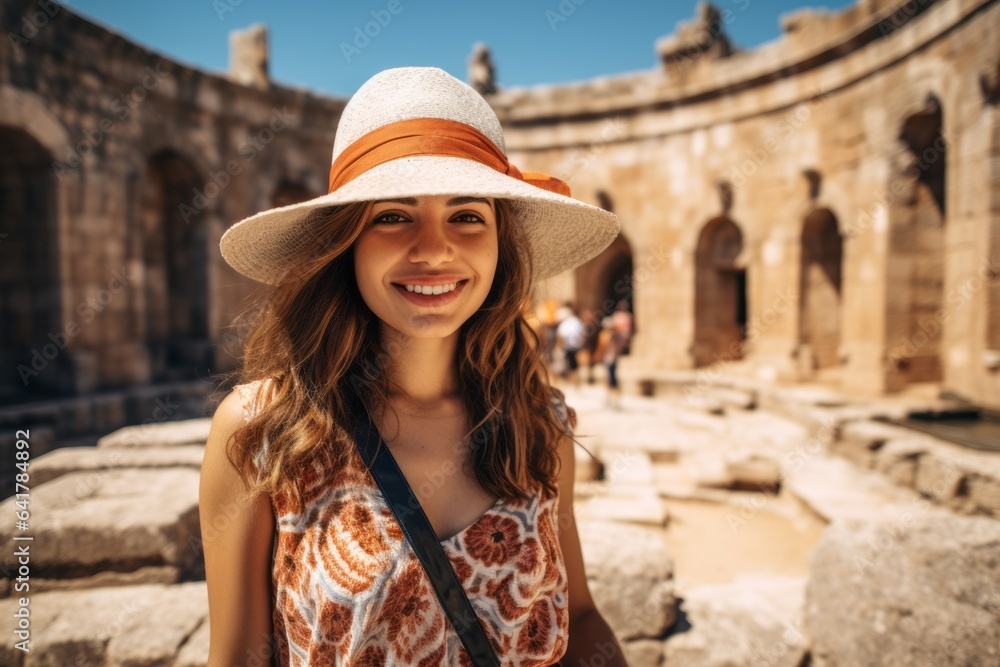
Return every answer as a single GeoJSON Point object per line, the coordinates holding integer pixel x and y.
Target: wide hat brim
{"type": "Point", "coordinates": [563, 232]}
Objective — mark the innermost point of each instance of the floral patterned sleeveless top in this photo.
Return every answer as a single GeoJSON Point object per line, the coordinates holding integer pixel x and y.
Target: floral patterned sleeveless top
{"type": "Point", "coordinates": [348, 588]}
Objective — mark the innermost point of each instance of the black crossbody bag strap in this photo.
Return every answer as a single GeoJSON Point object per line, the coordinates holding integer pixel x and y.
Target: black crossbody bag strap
{"type": "Point", "coordinates": [418, 530]}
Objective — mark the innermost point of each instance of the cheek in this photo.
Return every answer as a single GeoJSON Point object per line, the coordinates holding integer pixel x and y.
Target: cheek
{"type": "Point", "coordinates": [492, 256]}
{"type": "Point", "coordinates": [366, 265]}
{"type": "Point", "coordinates": [486, 252]}
{"type": "Point", "coordinates": [360, 261]}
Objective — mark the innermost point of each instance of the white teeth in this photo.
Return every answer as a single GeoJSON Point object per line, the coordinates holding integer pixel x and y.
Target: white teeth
{"type": "Point", "coordinates": [428, 289]}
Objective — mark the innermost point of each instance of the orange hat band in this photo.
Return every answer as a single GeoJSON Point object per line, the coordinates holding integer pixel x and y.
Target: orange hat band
{"type": "Point", "coordinates": [430, 136]}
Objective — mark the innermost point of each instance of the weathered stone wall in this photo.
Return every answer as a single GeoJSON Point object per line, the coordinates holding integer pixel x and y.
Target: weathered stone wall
{"type": "Point", "coordinates": [743, 162]}
{"type": "Point", "coordinates": [155, 161]}
{"type": "Point", "coordinates": [822, 207]}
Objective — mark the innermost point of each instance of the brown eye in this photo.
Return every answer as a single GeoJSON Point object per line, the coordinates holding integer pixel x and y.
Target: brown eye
{"type": "Point", "coordinates": [381, 220]}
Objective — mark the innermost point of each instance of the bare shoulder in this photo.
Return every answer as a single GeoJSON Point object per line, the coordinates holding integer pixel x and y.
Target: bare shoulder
{"type": "Point", "coordinates": [220, 481]}
{"type": "Point", "coordinates": [250, 394]}
{"type": "Point", "coordinates": [237, 533]}
{"type": "Point", "coordinates": [232, 413]}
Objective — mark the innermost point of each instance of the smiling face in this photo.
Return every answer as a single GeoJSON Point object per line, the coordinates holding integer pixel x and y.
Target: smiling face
{"type": "Point", "coordinates": [424, 265]}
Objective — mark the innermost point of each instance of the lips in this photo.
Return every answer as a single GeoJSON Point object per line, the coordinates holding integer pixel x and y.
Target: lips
{"type": "Point", "coordinates": [430, 299]}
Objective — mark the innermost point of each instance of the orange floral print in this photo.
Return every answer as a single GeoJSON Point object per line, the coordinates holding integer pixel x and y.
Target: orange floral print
{"type": "Point", "coordinates": [493, 540]}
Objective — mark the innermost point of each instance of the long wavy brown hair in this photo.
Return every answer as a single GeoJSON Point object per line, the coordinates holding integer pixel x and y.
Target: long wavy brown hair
{"type": "Point", "coordinates": [315, 338]}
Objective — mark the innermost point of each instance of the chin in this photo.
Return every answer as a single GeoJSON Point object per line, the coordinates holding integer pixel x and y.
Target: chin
{"type": "Point", "coordinates": [429, 325]}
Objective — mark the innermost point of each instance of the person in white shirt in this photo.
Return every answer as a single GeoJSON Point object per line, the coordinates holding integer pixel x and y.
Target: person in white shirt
{"type": "Point", "coordinates": [571, 334]}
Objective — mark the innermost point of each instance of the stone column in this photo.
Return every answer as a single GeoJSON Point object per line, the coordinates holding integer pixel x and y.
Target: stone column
{"type": "Point", "coordinates": [248, 56]}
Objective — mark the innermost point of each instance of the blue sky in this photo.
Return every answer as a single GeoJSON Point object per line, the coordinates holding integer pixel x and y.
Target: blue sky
{"type": "Point", "coordinates": [530, 42]}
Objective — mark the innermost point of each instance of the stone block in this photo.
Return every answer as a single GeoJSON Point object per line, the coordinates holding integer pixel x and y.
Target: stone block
{"type": "Point", "coordinates": [755, 620]}
{"type": "Point", "coordinates": [754, 473]}
{"type": "Point", "coordinates": [984, 492]}
{"type": "Point", "coordinates": [897, 460]}
{"type": "Point", "coordinates": [924, 591]}
{"type": "Point", "coordinates": [628, 467]}
{"type": "Point", "coordinates": [150, 574]}
{"type": "Point", "coordinates": [630, 573]}
{"type": "Point", "coordinates": [161, 434]}
{"type": "Point", "coordinates": [835, 489]}
{"type": "Point", "coordinates": [97, 459]}
{"type": "Point", "coordinates": [118, 520]}
{"type": "Point", "coordinates": [636, 507]}
{"type": "Point", "coordinates": [939, 478]}
{"type": "Point", "coordinates": [643, 652]}
{"type": "Point", "coordinates": [194, 652]}
{"type": "Point", "coordinates": [142, 626]}
{"type": "Point", "coordinates": [734, 398]}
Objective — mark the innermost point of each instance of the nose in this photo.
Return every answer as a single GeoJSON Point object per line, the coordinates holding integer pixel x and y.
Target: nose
{"type": "Point", "coordinates": [431, 244]}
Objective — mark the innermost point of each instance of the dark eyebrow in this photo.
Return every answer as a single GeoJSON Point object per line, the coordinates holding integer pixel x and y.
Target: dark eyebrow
{"type": "Point", "coordinates": [454, 201]}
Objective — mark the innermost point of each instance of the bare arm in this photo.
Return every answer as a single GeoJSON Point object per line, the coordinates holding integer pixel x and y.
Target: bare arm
{"type": "Point", "coordinates": [591, 640]}
{"type": "Point", "coordinates": [237, 537]}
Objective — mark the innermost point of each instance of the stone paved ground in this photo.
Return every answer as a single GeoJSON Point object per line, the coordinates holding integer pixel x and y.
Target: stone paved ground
{"type": "Point", "coordinates": [745, 493]}
{"type": "Point", "coordinates": [667, 462]}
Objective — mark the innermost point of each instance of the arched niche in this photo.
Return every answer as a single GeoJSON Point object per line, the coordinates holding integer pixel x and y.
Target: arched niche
{"type": "Point", "coordinates": [30, 276]}
{"type": "Point", "coordinates": [820, 287]}
{"type": "Point", "coordinates": [720, 301]}
{"type": "Point", "coordinates": [917, 250]}
{"type": "Point", "coordinates": [606, 279]}
{"type": "Point", "coordinates": [175, 259]}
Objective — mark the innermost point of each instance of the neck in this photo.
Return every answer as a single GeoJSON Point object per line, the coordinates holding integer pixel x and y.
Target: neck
{"type": "Point", "coordinates": [423, 373]}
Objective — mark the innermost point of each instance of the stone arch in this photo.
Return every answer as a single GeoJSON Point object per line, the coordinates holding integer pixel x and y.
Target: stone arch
{"type": "Point", "coordinates": [33, 115]}
{"type": "Point", "coordinates": [607, 278]}
{"type": "Point", "coordinates": [820, 287]}
{"type": "Point", "coordinates": [31, 279]}
{"type": "Point", "coordinates": [720, 301]}
{"type": "Point", "coordinates": [175, 260]}
{"type": "Point", "coordinates": [616, 277]}
{"type": "Point", "coordinates": [28, 121]}
{"type": "Point", "coordinates": [916, 261]}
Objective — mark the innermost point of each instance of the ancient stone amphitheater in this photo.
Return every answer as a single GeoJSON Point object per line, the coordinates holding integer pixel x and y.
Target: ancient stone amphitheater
{"type": "Point", "coordinates": [811, 246]}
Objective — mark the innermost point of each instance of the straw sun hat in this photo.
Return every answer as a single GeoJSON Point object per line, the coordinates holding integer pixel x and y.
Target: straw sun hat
{"type": "Point", "coordinates": [413, 131]}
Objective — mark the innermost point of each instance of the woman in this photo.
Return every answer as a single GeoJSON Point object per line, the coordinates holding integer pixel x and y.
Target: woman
{"type": "Point", "coordinates": [405, 284]}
